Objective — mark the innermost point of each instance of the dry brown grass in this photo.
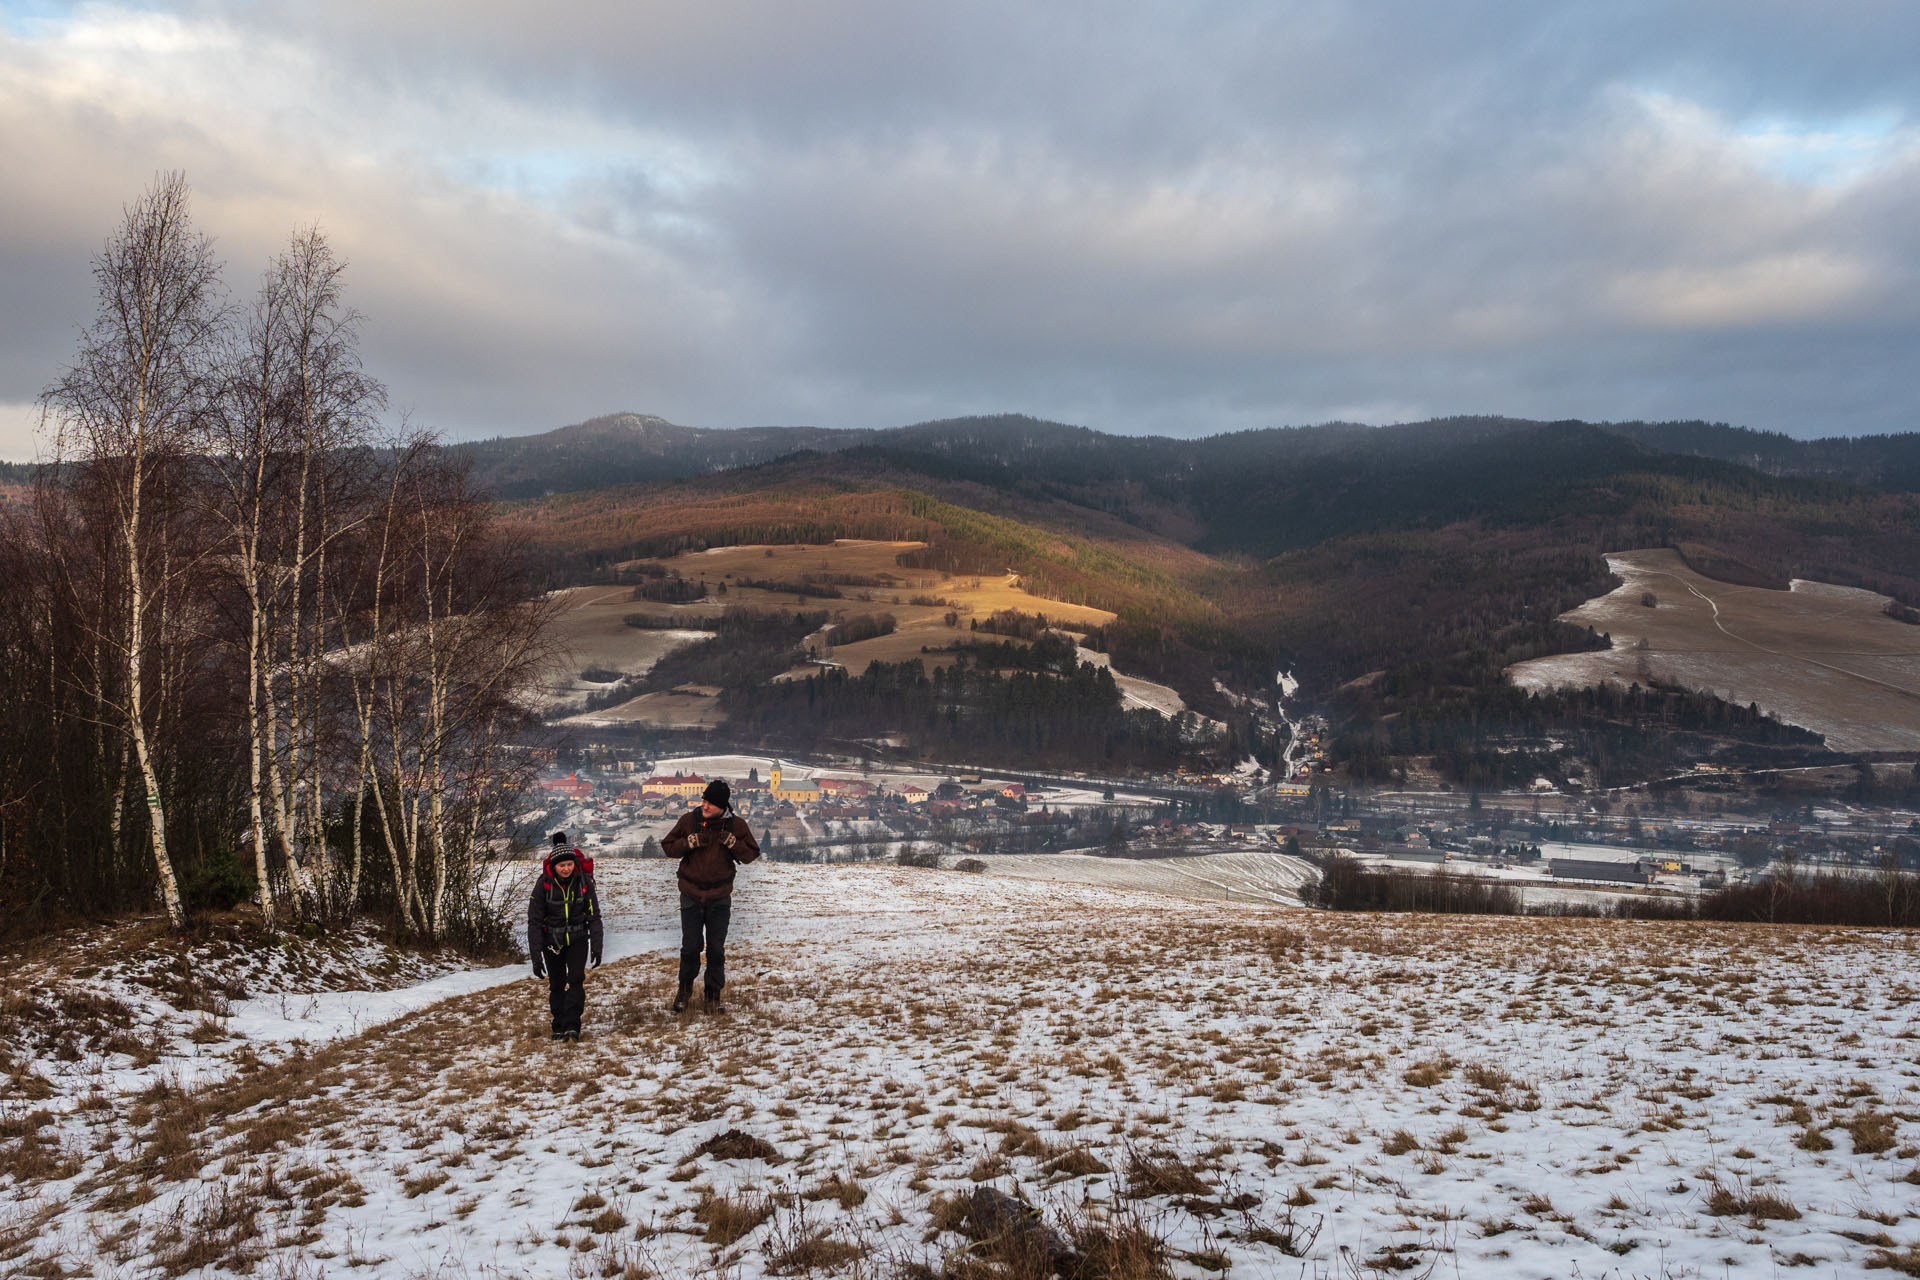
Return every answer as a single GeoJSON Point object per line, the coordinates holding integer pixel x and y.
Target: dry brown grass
{"type": "Point", "coordinates": [607, 1221]}
{"type": "Point", "coordinates": [1425, 1075]}
{"type": "Point", "coordinates": [1905, 1261]}
{"type": "Point", "coordinates": [1076, 1162]}
{"type": "Point", "coordinates": [1400, 1143]}
{"type": "Point", "coordinates": [222, 1228]}
{"type": "Point", "coordinates": [1872, 1132]}
{"type": "Point", "coordinates": [31, 1154]}
{"type": "Point", "coordinates": [1162, 1174]}
{"type": "Point", "coordinates": [24, 1240]}
{"type": "Point", "coordinates": [840, 1189]}
{"type": "Point", "coordinates": [729, 1218]}
{"type": "Point", "coordinates": [847, 1073]}
{"type": "Point", "coordinates": [1725, 1201]}
{"type": "Point", "coordinates": [1812, 1139]}
{"type": "Point", "coordinates": [1121, 1246]}
{"type": "Point", "coordinates": [804, 1249]}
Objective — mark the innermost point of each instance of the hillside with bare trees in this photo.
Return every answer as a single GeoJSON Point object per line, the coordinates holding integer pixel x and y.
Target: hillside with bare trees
{"type": "Point", "coordinates": [254, 649]}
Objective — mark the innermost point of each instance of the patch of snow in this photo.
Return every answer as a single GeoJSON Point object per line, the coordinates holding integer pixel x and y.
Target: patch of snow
{"type": "Point", "coordinates": [1351, 1093]}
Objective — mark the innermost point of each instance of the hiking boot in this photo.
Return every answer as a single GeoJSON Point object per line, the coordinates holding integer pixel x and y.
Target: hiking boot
{"type": "Point", "coordinates": [559, 1035]}
{"type": "Point", "coordinates": [713, 1002]}
{"type": "Point", "coordinates": [573, 1034]}
{"type": "Point", "coordinates": [680, 999]}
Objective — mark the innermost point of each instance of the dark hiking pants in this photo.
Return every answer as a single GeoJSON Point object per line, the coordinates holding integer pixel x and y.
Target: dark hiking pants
{"type": "Point", "coordinates": [566, 985]}
{"type": "Point", "coordinates": [709, 920]}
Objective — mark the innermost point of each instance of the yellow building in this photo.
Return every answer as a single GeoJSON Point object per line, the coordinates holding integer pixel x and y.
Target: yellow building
{"type": "Point", "coordinates": [673, 784]}
{"type": "Point", "coordinates": [792, 791]}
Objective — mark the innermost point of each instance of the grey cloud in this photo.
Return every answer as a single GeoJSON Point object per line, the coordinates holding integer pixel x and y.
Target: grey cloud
{"type": "Point", "coordinates": [1140, 78]}
{"type": "Point", "coordinates": [857, 212]}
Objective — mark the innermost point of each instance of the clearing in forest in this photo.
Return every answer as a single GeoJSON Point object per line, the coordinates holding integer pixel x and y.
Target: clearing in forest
{"type": "Point", "coordinates": [870, 582]}
{"type": "Point", "coordinates": [591, 639]}
{"type": "Point", "coordinates": [1826, 658]}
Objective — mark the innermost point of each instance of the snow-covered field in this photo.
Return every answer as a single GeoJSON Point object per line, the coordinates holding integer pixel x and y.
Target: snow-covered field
{"type": "Point", "coordinates": [111, 1009]}
{"type": "Point", "coordinates": [1821, 656]}
{"type": "Point", "coordinates": [1182, 1087]}
{"type": "Point", "coordinates": [590, 631]}
{"type": "Point", "coordinates": [1253, 875]}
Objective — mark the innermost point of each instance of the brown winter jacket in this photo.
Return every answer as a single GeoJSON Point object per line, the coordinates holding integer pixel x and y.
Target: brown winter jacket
{"type": "Point", "coordinates": [706, 863]}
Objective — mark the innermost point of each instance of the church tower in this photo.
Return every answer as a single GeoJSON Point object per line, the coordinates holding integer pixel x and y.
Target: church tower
{"type": "Point", "coordinates": [773, 781]}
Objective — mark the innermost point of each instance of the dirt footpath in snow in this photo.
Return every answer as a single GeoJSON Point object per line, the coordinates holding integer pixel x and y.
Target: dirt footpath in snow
{"type": "Point", "coordinates": [1182, 1087]}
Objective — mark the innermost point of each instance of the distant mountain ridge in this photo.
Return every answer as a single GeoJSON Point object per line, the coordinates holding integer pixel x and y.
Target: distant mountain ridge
{"type": "Point", "coordinates": [1890, 462]}
{"type": "Point", "coordinates": [631, 448]}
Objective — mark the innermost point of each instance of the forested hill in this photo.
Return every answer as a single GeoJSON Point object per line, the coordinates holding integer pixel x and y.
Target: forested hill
{"type": "Point", "coordinates": [1280, 497]}
{"type": "Point", "coordinates": [629, 448]}
{"type": "Point", "coordinates": [1266, 493]}
{"type": "Point", "coordinates": [16, 478]}
{"type": "Point", "coordinates": [1890, 462]}
{"type": "Point", "coordinates": [1339, 549]}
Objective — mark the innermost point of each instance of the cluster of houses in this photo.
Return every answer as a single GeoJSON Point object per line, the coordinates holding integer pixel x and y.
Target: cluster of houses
{"type": "Point", "coordinates": [783, 795]}
{"type": "Point", "coordinates": [1649, 846]}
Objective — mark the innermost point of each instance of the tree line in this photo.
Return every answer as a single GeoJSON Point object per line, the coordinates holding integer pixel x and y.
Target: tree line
{"type": "Point", "coordinates": [1071, 719]}
{"type": "Point", "coordinates": [1886, 895]}
{"type": "Point", "coordinates": [254, 646]}
{"type": "Point", "coordinates": [1480, 737]}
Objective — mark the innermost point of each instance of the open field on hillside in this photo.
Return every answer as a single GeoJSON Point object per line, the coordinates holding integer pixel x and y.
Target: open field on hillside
{"type": "Point", "coordinates": [1823, 657]}
{"type": "Point", "coordinates": [880, 586]}
{"type": "Point", "coordinates": [1137, 692]}
{"type": "Point", "coordinates": [1087, 554]}
{"type": "Point", "coordinates": [937, 639]}
{"type": "Point", "coordinates": [891, 590]}
{"type": "Point", "coordinates": [1181, 1088]}
{"type": "Point", "coordinates": [903, 645]}
{"type": "Point", "coordinates": [1265, 875]}
{"type": "Point", "coordinates": [657, 711]}
{"type": "Point", "coordinates": [589, 633]}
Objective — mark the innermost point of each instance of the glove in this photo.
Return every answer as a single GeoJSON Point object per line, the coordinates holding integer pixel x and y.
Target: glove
{"type": "Point", "coordinates": [594, 963]}
{"type": "Point", "coordinates": [693, 839]}
{"type": "Point", "coordinates": [731, 840]}
{"type": "Point", "coordinates": [539, 966]}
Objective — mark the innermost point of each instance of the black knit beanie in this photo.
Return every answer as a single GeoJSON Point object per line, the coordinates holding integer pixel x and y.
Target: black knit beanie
{"type": "Point", "coordinates": [718, 793]}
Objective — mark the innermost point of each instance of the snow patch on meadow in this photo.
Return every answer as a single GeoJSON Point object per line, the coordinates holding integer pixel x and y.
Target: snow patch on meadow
{"type": "Point", "coordinates": [1270, 1090]}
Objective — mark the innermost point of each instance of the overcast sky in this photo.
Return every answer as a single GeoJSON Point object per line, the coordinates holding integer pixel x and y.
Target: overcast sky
{"type": "Point", "coordinates": [1176, 218]}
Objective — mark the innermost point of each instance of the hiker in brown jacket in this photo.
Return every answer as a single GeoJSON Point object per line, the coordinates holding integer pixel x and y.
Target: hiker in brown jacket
{"type": "Point", "coordinates": [710, 842]}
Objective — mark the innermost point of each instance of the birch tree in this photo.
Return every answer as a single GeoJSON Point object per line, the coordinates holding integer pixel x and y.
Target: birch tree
{"type": "Point", "coordinates": [127, 410]}
{"type": "Point", "coordinates": [450, 647]}
{"type": "Point", "coordinates": [229, 600]}
{"type": "Point", "coordinates": [291, 452]}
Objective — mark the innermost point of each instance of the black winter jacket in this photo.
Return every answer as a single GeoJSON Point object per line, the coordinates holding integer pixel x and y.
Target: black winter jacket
{"type": "Point", "coordinates": [562, 912]}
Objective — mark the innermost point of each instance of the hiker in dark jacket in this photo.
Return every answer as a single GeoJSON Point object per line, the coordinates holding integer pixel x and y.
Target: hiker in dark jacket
{"type": "Point", "coordinates": [563, 933]}
{"type": "Point", "coordinates": [710, 842]}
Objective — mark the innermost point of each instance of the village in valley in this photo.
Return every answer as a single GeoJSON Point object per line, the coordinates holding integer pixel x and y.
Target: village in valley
{"type": "Point", "coordinates": [1550, 845]}
{"type": "Point", "coordinates": [804, 813]}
